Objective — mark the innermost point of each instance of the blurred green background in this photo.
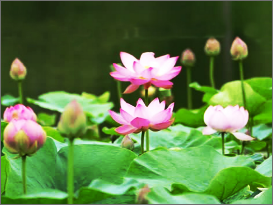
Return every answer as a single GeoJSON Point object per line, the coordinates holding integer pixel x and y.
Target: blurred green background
{"type": "Point", "coordinates": [70, 45]}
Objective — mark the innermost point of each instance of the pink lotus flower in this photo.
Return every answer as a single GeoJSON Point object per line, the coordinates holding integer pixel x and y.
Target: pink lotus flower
{"type": "Point", "coordinates": [18, 112]}
{"type": "Point", "coordinates": [23, 137]}
{"type": "Point", "coordinates": [229, 119]}
{"type": "Point", "coordinates": [142, 118]}
{"type": "Point", "coordinates": [146, 71]}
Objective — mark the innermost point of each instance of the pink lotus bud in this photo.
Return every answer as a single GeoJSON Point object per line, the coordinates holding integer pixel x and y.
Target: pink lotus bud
{"type": "Point", "coordinates": [238, 49]}
{"type": "Point", "coordinates": [151, 91]}
{"type": "Point", "coordinates": [18, 71]}
{"type": "Point", "coordinates": [142, 117]}
{"type": "Point", "coordinates": [212, 47]}
{"type": "Point", "coordinates": [127, 143]}
{"type": "Point", "coordinates": [188, 58]}
{"type": "Point", "coordinates": [141, 197]}
{"type": "Point", "coordinates": [72, 123]}
{"type": "Point", "coordinates": [19, 112]}
{"type": "Point", "coordinates": [24, 137]}
{"type": "Point", "coordinates": [229, 119]}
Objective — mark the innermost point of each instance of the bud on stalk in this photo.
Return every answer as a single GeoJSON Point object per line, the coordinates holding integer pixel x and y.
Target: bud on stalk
{"type": "Point", "coordinates": [18, 71]}
{"type": "Point", "coordinates": [238, 49]}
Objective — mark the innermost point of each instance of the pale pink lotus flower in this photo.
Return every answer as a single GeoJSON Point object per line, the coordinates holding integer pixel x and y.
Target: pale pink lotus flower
{"type": "Point", "coordinates": [24, 137]}
{"type": "Point", "coordinates": [142, 117]}
{"type": "Point", "coordinates": [146, 71]}
{"type": "Point", "coordinates": [18, 112]}
{"type": "Point", "coordinates": [229, 119]}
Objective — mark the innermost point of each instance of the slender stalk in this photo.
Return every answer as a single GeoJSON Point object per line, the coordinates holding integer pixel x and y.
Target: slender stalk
{"type": "Point", "coordinates": [70, 172]}
{"type": "Point", "coordinates": [243, 147]}
{"type": "Point", "coordinates": [24, 174]}
{"type": "Point", "coordinates": [188, 87]}
{"type": "Point", "coordinates": [147, 132]}
{"type": "Point", "coordinates": [242, 82]}
{"type": "Point", "coordinates": [223, 143]}
{"type": "Point", "coordinates": [20, 89]}
{"type": "Point", "coordinates": [142, 142]}
{"type": "Point", "coordinates": [211, 71]}
{"type": "Point", "coordinates": [119, 90]}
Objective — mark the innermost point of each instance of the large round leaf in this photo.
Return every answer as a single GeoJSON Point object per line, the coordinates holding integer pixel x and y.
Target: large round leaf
{"type": "Point", "coordinates": [198, 169]}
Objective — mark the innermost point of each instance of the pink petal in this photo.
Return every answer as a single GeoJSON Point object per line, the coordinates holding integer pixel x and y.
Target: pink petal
{"type": "Point", "coordinates": [127, 60]}
{"type": "Point", "coordinates": [119, 76]}
{"type": "Point", "coordinates": [140, 101]}
{"type": "Point", "coordinates": [123, 71]}
{"type": "Point", "coordinates": [161, 126]}
{"type": "Point", "coordinates": [242, 136]}
{"type": "Point", "coordinates": [208, 113]}
{"type": "Point", "coordinates": [170, 75]}
{"type": "Point", "coordinates": [155, 107]}
{"type": "Point", "coordinates": [126, 116]}
{"type": "Point", "coordinates": [162, 84]}
{"type": "Point", "coordinates": [139, 81]}
{"type": "Point", "coordinates": [147, 58]}
{"type": "Point", "coordinates": [147, 73]}
{"type": "Point", "coordinates": [171, 106]}
{"type": "Point", "coordinates": [32, 130]}
{"type": "Point", "coordinates": [219, 121]}
{"type": "Point", "coordinates": [117, 118]}
{"type": "Point", "coordinates": [208, 131]}
{"type": "Point", "coordinates": [125, 129]}
{"type": "Point", "coordinates": [138, 68]}
{"type": "Point", "coordinates": [131, 88]}
{"type": "Point", "coordinates": [162, 116]}
{"type": "Point", "coordinates": [140, 123]}
{"type": "Point", "coordinates": [127, 107]}
{"type": "Point", "coordinates": [236, 120]}
{"type": "Point", "coordinates": [167, 66]}
{"type": "Point", "coordinates": [141, 111]}
{"type": "Point", "coordinates": [162, 59]}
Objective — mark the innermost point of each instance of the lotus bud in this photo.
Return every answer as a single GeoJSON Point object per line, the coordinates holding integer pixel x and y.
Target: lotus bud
{"type": "Point", "coordinates": [24, 137]}
{"type": "Point", "coordinates": [166, 95]}
{"type": "Point", "coordinates": [72, 122]}
{"type": "Point", "coordinates": [188, 58]}
{"type": "Point", "coordinates": [141, 197]}
{"type": "Point", "coordinates": [238, 49]}
{"type": "Point", "coordinates": [19, 112]}
{"type": "Point", "coordinates": [127, 143]}
{"type": "Point", "coordinates": [212, 47]}
{"type": "Point", "coordinates": [151, 91]}
{"type": "Point", "coordinates": [18, 71]}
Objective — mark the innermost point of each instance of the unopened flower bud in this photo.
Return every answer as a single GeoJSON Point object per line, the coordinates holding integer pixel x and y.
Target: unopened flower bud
{"type": "Point", "coordinates": [18, 71]}
{"type": "Point", "coordinates": [19, 112]}
{"type": "Point", "coordinates": [151, 91]}
{"type": "Point", "coordinates": [127, 143]}
{"type": "Point", "coordinates": [188, 58]}
{"type": "Point", "coordinates": [166, 95]}
{"type": "Point", "coordinates": [238, 49]}
{"type": "Point", "coordinates": [212, 47]}
{"type": "Point", "coordinates": [72, 122]}
{"type": "Point", "coordinates": [24, 137]}
{"type": "Point", "coordinates": [141, 197]}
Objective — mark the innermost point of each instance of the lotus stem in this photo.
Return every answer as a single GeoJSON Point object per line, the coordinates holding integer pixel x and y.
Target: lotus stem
{"type": "Point", "coordinates": [70, 172]}
{"type": "Point", "coordinates": [24, 173]}
{"type": "Point", "coordinates": [211, 71]}
{"type": "Point", "coordinates": [147, 132]}
{"type": "Point", "coordinates": [223, 143]}
{"type": "Point", "coordinates": [242, 82]}
{"type": "Point", "coordinates": [243, 147]}
{"type": "Point", "coordinates": [188, 87]}
{"type": "Point", "coordinates": [119, 90]}
{"type": "Point", "coordinates": [20, 89]}
{"type": "Point", "coordinates": [142, 141]}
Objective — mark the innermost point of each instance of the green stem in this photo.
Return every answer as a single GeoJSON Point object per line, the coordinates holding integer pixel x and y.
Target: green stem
{"type": "Point", "coordinates": [211, 71]}
{"type": "Point", "coordinates": [223, 143]}
{"type": "Point", "coordinates": [119, 90]}
{"type": "Point", "coordinates": [70, 172]}
{"type": "Point", "coordinates": [188, 87]}
{"type": "Point", "coordinates": [20, 89]}
{"type": "Point", "coordinates": [242, 82]}
{"type": "Point", "coordinates": [142, 142]}
{"type": "Point", "coordinates": [147, 132]}
{"type": "Point", "coordinates": [24, 173]}
{"type": "Point", "coordinates": [243, 147]}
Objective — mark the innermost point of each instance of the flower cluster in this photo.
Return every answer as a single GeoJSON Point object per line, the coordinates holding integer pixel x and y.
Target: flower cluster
{"type": "Point", "coordinates": [23, 135]}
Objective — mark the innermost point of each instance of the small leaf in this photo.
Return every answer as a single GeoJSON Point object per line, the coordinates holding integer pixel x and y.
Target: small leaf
{"type": "Point", "coordinates": [54, 133]}
{"type": "Point", "coordinates": [110, 131]}
{"type": "Point", "coordinates": [46, 119]}
{"type": "Point", "coordinates": [9, 100]}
